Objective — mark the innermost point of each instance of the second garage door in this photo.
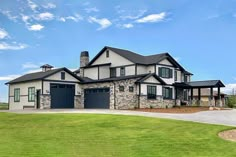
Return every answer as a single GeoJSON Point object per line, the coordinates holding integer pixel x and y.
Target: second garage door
{"type": "Point", "coordinates": [97, 98]}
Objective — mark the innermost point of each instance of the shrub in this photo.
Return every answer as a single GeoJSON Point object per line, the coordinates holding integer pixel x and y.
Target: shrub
{"type": "Point", "coordinates": [231, 101]}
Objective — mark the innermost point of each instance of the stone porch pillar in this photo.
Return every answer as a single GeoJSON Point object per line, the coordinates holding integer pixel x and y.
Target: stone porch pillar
{"type": "Point", "coordinates": [219, 102]}
{"type": "Point", "coordinates": [199, 96]}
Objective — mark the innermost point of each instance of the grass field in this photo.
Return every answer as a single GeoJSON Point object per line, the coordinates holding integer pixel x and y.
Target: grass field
{"type": "Point", "coordinates": [85, 135]}
{"type": "Point", "coordinates": [3, 106]}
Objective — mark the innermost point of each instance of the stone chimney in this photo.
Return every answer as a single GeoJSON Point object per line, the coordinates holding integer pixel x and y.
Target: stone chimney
{"type": "Point", "coordinates": [84, 58]}
{"type": "Point", "coordinates": [46, 67]}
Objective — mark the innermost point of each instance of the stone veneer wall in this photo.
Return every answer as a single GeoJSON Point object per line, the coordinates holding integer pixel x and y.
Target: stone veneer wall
{"type": "Point", "coordinates": [98, 85]}
{"type": "Point", "coordinates": [78, 102]}
{"type": "Point", "coordinates": [45, 101]}
{"type": "Point", "coordinates": [126, 99]}
{"type": "Point", "coordinates": [155, 103]}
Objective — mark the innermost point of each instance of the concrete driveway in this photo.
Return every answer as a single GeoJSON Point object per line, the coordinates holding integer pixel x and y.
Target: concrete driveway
{"type": "Point", "coordinates": [224, 117]}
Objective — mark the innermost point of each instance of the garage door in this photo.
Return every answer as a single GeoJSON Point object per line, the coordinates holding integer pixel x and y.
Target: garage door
{"type": "Point", "coordinates": [62, 95]}
{"type": "Point", "coordinates": [97, 98]}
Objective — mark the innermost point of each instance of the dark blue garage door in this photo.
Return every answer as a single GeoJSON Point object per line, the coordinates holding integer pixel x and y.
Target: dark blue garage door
{"type": "Point", "coordinates": [97, 98]}
{"type": "Point", "coordinates": [62, 95]}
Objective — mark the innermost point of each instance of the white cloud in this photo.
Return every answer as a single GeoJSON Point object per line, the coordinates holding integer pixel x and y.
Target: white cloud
{"type": "Point", "coordinates": [25, 19]}
{"type": "Point", "coordinates": [229, 88]}
{"type": "Point", "coordinates": [32, 5]}
{"type": "Point", "coordinates": [36, 27]}
{"type": "Point", "coordinates": [93, 9]}
{"type": "Point", "coordinates": [75, 18]}
{"type": "Point", "coordinates": [29, 65]}
{"type": "Point", "coordinates": [13, 46]}
{"type": "Point", "coordinates": [152, 18]}
{"type": "Point", "coordinates": [9, 15]}
{"type": "Point", "coordinates": [3, 34]}
{"type": "Point", "coordinates": [128, 25]}
{"type": "Point", "coordinates": [33, 71]}
{"type": "Point", "coordinates": [49, 6]}
{"type": "Point", "coordinates": [134, 15]}
{"type": "Point", "coordinates": [104, 23]}
{"type": "Point", "coordinates": [44, 16]}
{"type": "Point", "coordinates": [8, 77]}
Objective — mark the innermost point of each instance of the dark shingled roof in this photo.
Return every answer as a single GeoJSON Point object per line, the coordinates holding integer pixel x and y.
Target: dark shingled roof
{"type": "Point", "coordinates": [140, 59]}
{"type": "Point", "coordinates": [209, 83]}
{"type": "Point", "coordinates": [141, 77]}
{"type": "Point", "coordinates": [149, 75]}
{"type": "Point", "coordinates": [39, 76]}
{"type": "Point", "coordinates": [200, 84]}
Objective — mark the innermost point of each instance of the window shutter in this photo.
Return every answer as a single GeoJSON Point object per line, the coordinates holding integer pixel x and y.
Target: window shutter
{"type": "Point", "coordinates": [160, 71]}
{"type": "Point", "coordinates": [171, 93]}
{"type": "Point", "coordinates": [171, 73]}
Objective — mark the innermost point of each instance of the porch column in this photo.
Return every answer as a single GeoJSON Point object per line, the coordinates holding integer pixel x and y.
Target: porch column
{"type": "Point", "coordinates": [177, 101]}
{"type": "Point", "coordinates": [191, 96]}
{"type": "Point", "coordinates": [211, 97]}
{"type": "Point", "coordinates": [219, 97]}
{"type": "Point", "coordinates": [199, 96]}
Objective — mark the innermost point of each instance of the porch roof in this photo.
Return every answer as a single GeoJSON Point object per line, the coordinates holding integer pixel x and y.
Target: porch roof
{"type": "Point", "coordinates": [200, 84]}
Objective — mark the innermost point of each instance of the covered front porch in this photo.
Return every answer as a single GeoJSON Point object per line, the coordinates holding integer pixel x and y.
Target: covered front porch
{"type": "Point", "coordinates": [184, 92]}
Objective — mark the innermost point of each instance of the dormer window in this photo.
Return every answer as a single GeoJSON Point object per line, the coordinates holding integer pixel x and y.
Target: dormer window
{"type": "Point", "coordinates": [63, 76]}
{"type": "Point", "coordinates": [107, 53]}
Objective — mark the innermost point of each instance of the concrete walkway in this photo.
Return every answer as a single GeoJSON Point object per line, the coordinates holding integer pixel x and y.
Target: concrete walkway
{"type": "Point", "coordinates": [224, 117]}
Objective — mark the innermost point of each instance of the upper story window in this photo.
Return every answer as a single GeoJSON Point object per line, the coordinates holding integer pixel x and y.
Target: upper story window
{"type": "Point", "coordinates": [185, 78]}
{"type": "Point", "coordinates": [151, 92]}
{"type": "Point", "coordinates": [113, 72]}
{"type": "Point", "coordinates": [165, 72]}
{"type": "Point", "coordinates": [107, 54]}
{"type": "Point", "coordinates": [31, 94]}
{"type": "Point", "coordinates": [17, 95]}
{"type": "Point", "coordinates": [176, 79]}
{"type": "Point", "coordinates": [63, 75]}
{"type": "Point", "coordinates": [122, 71]}
{"type": "Point", "coordinates": [167, 93]}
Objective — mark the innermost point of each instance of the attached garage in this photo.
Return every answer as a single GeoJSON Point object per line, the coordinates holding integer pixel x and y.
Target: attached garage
{"type": "Point", "coordinates": [62, 95]}
{"type": "Point", "coordinates": [97, 98]}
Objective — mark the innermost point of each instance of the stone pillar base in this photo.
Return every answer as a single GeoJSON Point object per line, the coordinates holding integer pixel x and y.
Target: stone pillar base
{"type": "Point", "coordinates": [178, 102]}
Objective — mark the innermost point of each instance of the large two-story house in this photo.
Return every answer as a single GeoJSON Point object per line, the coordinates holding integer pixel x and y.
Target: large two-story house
{"type": "Point", "coordinates": [113, 79]}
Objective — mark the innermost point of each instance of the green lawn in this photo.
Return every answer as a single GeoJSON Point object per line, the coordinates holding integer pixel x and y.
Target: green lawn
{"type": "Point", "coordinates": [85, 135]}
{"type": "Point", "coordinates": [3, 106]}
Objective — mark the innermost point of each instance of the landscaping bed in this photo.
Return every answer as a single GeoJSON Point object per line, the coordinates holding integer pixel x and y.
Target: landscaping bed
{"type": "Point", "coordinates": [182, 109]}
{"type": "Point", "coordinates": [228, 135]}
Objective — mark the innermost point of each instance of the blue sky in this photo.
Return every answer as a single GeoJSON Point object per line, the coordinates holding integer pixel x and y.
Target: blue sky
{"type": "Point", "coordinates": [199, 34]}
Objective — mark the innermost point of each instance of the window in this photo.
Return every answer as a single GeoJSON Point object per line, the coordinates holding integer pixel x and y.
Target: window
{"type": "Point", "coordinates": [31, 94]}
{"type": "Point", "coordinates": [122, 71]}
{"type": "Point", "coordinates": [176, 76]}
{"type": "Point", "coordinates": [185, 78]}
{"type": "Point", "coordinates": [131, 89]}
{"type": "Point", "coordinates": [121, 88]}
{"type": "Point", "coordinates": [113, 72]}
{"type": "Point", "coordinates": [107, 53]}
{"type": "Point", "coordinates": [17, 95]}
{"type": "Point", "coordinates": [167, 93]}
{"type": "Point", "coordinates": [63, 75]}
{"type": "Point", "coordinates": [151, 92]}
{"type": "Point", "coordinates": [165, 72]}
